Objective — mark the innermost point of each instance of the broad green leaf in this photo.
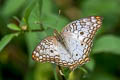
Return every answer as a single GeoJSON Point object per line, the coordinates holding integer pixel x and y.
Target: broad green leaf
{"type": "Point", "coordinates": [6, 39]}
{"type": "Point", "coordinates": [47, 6]}
{"type": "Point", "coordinates": [102, 76]}
{"type": "Point", "coordinates": [108, 43]}
{"type": "Point", "coordinates": [43, 72]}
{"type": "Point", "coordinates": [11, 6]}
{"type": "Point", "coordinates": [13, 27]}
{"type": "Point", "coordinates": [107, 10]}
{"type": "Point", "coordinates": [88, 8]}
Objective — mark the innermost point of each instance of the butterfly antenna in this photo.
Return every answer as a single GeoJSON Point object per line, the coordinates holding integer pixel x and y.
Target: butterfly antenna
{"type": "Point", "coordinates": [58, 18]}
{"type": "Point", "coordinates": [56, 33]}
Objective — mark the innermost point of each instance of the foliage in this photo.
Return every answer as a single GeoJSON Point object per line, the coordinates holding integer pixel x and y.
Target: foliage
{"type": "Point", "coordinates": [24, 23]}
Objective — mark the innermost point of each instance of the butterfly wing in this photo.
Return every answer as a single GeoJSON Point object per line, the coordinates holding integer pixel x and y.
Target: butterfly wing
{"type": "Point", "coordinates": [51, 50]}
{"type": "Point", "coordinates": [78, 37]}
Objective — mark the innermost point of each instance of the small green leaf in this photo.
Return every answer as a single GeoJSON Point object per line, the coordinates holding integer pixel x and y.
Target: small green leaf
{"type": "Point", "coordinates": [107, 43]}
{"type": "Point", "coordinates": [6, 39]}
{"type": "Point", "coordinates": [83, 69]}
{"type": "Point", "coordinates": [34, 15]}
{"type": "Point", "coordinates": [78, 74]}
{"type": "Point", "coordinates": [13, 27]}
{"type": "Point", "coordinates": [28, 12]}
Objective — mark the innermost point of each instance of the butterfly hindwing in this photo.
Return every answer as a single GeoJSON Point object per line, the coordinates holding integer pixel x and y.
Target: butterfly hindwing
{"type": "Point", "coordinates": [51, 50]}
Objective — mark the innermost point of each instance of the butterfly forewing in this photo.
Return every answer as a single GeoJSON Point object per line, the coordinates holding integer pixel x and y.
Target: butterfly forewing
{"type": "Point", "coordinates": [75, 46]}
{"type": "Point", "coordinates": [78, 36]}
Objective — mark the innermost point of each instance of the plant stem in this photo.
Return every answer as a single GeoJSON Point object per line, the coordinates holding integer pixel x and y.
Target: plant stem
{"type": "Point", "coordinates": [55, 74]}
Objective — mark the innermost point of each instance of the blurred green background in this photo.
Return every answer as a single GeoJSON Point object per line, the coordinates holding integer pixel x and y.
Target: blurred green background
{"type": "Point", "coordinates": [23, 23]}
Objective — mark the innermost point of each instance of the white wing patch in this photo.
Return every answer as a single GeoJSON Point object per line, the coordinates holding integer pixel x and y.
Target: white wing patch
{"type": "Point", "coordinates": [50, 50]}
{"type": "Point", "coordinates": [77, 37]}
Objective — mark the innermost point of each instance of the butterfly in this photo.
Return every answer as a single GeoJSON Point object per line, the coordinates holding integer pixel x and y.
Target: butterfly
{"type": "Point", "coordinates": [71, 47]}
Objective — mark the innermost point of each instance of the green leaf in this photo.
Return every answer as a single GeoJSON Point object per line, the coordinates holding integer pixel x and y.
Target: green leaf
{"type": "Point", "coordinates": [32, 40]}
{"type": "Point", "coordinates": [53, 21]}
{"type": "Point", "coordinates": [77, 74]}
{"type": "Point", "coordinates": [45, 21]}
{"type": "Point", "coordinates": [108, 9]}
{"type": "Point", "coordinates": [43, 72]}
{"type": "Point", "coordinates": [41, 15]}
{"type": "Point", "coordinates": [13, 27]}
{"type": "Point", "coordinates": [28, 12]}
{"type": "Point", "coordinates": [11, 6]}
{"type": "Point", "coordinates": [55, 73]}
{"type": "Point", "coordinates": [102, 76]}
{"type": "Point", "coordinates": [47, 6]}
{"type": "Point", "coordinates": [83, 69]}
{"type": "Point", "coordinates": [6, 39]}
{"type": "Point", "coordinates": [35, 16]}
{"type": "Point", "coordinates": [108, 43]}
{"type": "Point", "coordinates": [89, 8]}
{"type": "Point", "coordinates": [90, 65]}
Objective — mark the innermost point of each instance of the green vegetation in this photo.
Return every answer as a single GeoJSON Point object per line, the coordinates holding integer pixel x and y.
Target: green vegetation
{"type": "Point", "coordinates": [24, 23]}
